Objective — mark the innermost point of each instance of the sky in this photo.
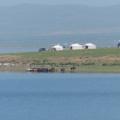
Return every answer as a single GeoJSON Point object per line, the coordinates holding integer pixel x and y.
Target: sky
{"type": "Point", "coordinates": [87, 2]}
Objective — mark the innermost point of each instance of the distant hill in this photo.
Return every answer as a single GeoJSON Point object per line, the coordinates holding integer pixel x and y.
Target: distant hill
{"type": "Point", "coordinates": [32, 26]}
{"type": "Point", "coordinates": [59, 19]}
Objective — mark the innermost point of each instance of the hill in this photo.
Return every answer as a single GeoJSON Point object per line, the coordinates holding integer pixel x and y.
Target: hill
{"type": "Point", "coordinates": [31, 26]}
{"type": "Point", "coordinates": [58, 19]}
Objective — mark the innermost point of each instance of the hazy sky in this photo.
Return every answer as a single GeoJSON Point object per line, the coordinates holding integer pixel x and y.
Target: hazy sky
{"type": "Point", "coordinates": [88, 2]}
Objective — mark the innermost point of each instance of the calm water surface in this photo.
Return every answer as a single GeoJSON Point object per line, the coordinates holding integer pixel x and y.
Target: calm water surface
{"type": "Point", "coordinates": [59, 96]}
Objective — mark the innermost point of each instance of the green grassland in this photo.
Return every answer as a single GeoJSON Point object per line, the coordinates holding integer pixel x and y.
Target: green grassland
{"type": "Point", "coordinates": [69, 53]}
{"type": "Point", "coordinates": [102, 60]}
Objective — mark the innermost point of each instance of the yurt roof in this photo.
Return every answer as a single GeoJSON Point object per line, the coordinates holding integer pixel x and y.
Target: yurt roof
{"type": "Point", "coordinates": [57, 46]}
{"type": "Point", "coordinates": [76, 44]}
{"type": "Point", "coordinates": [90, 44]}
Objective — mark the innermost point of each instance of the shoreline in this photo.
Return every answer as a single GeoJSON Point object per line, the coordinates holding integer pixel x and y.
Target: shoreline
{"type": "Point", "coordinates": [104, 60]}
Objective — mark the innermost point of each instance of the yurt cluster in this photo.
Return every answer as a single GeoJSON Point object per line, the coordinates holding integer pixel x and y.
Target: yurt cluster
{"type": "Point", "coordinates": [75, 46]}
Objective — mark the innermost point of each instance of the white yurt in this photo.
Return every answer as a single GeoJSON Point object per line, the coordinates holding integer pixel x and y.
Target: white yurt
{"type": "Point", "coordinates": [90, 46]}
{"type": "Point", "coordinates": [76, 46]}
{"type": "Point", "coordinates": [58, 48]}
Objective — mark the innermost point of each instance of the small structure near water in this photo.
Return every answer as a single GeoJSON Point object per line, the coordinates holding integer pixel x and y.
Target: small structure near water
{"type": "Point", "coordinates": [76, 46]}
{"type": "Point", "coordinates": [57, 48]}
{"type": "Point", "coordinates": [90, 46]}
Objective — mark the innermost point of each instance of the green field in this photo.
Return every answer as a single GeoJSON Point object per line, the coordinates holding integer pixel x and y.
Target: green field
{"type": "Point", "coordinates": [70, 53]}
{"type": "Point", "coordinates": [99, 60]}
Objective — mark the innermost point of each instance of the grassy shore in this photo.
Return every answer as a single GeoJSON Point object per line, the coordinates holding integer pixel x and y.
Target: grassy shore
{"type": "Point", "coordinates": [100, 60]}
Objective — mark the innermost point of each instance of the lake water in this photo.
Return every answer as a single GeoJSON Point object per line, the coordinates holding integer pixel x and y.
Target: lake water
{"type": "Point", "coordinates": [26, 96]}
